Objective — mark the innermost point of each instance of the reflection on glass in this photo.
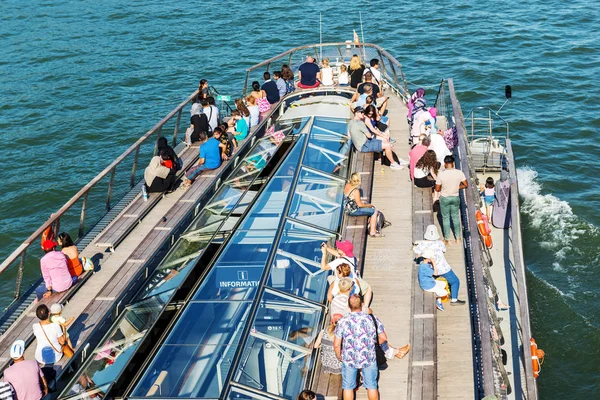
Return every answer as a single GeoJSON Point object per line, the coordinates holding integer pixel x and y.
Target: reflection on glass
{"type": "Point", "coordinates": [236, 393]}
{"type": "Point", "coordinates": [274, 366]}
{"type": "Point", "coordinates": [287, 319]}
{"type": "Point", "coordinates": [318, 199]}
{"type": "Point", "coordinates": [112, 356]}
{"type": "Point", "coordinates": [328, 147]}
{"type": "Point", "coordinates": [85, 389]}
{"type": "Point", "coordinates": [297, 267]}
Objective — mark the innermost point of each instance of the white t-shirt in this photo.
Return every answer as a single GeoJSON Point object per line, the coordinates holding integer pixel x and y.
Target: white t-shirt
{"type": "Point", "coordinates": [45, 352]}
{"type": "Point", "coordinates": [254, 115]}
{"type": "Point", "coordinates": [421, 172]}
{"type": "Point", "coordinates": [439, 248]}
{"type": "Point", "coordinates": [327, 76]}
{"type": "Point", "coordinates": [343, 78]}
{"type": "Point", "coordinates": [375, 72]}
{"type": "Point", "coordinates": [212, 113]}
{"type": "Point", "coordinates": [438, 145]}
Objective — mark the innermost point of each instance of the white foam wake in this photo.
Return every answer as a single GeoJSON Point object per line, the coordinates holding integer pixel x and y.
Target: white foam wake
{"type": "Point", "coordinates": [552, 217]}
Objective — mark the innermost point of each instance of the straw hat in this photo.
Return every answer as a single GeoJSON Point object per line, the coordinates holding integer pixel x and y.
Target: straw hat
{"type": "Point", "coordinates": [345, 284]}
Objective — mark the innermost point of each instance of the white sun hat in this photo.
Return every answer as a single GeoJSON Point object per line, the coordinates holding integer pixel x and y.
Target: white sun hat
{"type": "Point", "coordinates": [17, 349]}
{"type": "Point", "coordinates": [431, 233]}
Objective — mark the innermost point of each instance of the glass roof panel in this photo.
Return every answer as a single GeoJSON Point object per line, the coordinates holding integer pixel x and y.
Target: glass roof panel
{"type": "Point", "coordinates": [209, 323]}
{"type": "Point", "coordinates": [318, 200]}
{"type": "Point", "coordinates": [328, 147]}
{"type": "Point", "coordinates": [297, 268]}
{"type": "Point", "coordinates": [285, 318]}
{"type": "Point", "coordinates": [273, 365]}
{"type": "Point", "coordinates": [111, 357]}
{"type": "Point", "coordinates": [236, 393]}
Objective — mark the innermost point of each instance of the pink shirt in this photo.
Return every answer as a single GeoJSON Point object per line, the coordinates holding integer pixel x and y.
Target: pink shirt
{"type": "Point", "coordinates": [55, 271]}
{"type": "Point", "coordinates": [414, 156]}
{"type": "Point", "coordinates": [24, 376]}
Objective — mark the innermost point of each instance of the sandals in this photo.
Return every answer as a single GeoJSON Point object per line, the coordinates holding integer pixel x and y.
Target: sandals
{"type": "Point", "coordinates": [403, 351]}
{"type": "Point", "coordinates": [377, 235]}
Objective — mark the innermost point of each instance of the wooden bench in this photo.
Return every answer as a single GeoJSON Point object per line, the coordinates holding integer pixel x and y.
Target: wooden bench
{"type": "Point", "coordinates": [354, 230]}
{"type": "Point", "coordinates": [422, 373]}
{"type": "Point", "coordinates": [127, 219]}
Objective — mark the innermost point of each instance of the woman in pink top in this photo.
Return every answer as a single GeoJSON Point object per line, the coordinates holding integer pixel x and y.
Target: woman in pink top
{"type": "Point", "coordinates": [54, 271]}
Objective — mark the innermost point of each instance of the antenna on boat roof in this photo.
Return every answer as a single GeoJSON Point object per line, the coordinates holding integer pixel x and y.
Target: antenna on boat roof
{"type": "Point", "coordinates": [321, 34]}
{"type": "Point", "coordinates": [362, 33]}
{"type": "Point", "coordinates": [508, 94]}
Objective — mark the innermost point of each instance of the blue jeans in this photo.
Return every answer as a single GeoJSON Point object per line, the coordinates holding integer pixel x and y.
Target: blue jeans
{"type": "Point", "coordinates": [362, 211]}
{"type": "Point", "coordinates": [450, 209]}
{"type": "Point", "coordinates": [195, 171]}
{"type": "Point", "coordinates": [39, 292]}
{"type": "Point", "coordinates": [370, 375]}
{"type": "Point", "coordinates": [454, 283]}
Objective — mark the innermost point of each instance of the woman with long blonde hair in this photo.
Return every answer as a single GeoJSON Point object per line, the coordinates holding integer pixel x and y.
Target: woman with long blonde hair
{"type": "Point", "coordinates": [253, 110]}
{"type": "Point", "coordinates": [355, 71]}
{"type": "Point", "coordinates": [354, 206]}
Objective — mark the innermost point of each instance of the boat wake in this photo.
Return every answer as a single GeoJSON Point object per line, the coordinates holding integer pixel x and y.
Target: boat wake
{"type": "Point", "coordinates": [566, 240]}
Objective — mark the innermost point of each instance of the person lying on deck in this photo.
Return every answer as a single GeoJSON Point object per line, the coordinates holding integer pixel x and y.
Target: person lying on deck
{"type": "Point", "coordinates": [210, 158]}
{"type": "Point", "coordinates": [365, 142]}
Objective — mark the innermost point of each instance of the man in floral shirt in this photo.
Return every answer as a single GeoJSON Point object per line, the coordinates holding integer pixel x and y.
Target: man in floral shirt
{"type": "Point", "coordinates": [355, 346]}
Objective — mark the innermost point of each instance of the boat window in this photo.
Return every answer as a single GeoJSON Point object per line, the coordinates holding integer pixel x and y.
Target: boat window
{"type": "Point", "coordinates": [297, 268]}
{"type": "Point", "coordinates": [317, 199]}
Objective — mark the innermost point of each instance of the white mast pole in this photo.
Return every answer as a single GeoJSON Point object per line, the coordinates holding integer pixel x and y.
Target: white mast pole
{"type": "Point", "coordinates": [362, 33]}
{"type": "Point", "coordinates": [321, 34]}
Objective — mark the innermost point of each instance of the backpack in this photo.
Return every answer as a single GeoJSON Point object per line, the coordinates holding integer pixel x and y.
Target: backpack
{"type": "Point", "coordinates": [381, 223]}
{"type": "Point", "coordinates": [451, 138]}
{"type": "Point", "coordinates": [384, 159]}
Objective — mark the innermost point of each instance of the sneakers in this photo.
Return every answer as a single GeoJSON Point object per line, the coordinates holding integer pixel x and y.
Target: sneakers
{"type": "Point", "coordinates": [439, 305]}
{"type": "Point", "coordinates": [458, 303]}
{"type": "Point", "coordinates": [396, 166]}
{"type": "Point", "coordinates": [403, 162]}
{"type": "Point", "coordinates": [144, 192]}
{"type": "Point", "coordinates": [392, 140]}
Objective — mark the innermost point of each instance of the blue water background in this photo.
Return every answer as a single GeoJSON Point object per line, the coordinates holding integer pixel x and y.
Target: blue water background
{"type": "Point", "coordinates": [81, 81]}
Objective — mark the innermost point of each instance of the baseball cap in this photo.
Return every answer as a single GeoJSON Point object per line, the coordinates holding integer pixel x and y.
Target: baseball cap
{"type": "Point", "coordinates": [17, 349]}
{"type": "Point", "coordinates": [359, 109]}
{"type": "Point", "coordinates": [49, 244]}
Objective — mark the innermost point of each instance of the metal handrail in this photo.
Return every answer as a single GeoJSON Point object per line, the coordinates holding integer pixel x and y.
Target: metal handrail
{"type": "Point", "coordinates": [481, 323]}
{"type": "Point", "coordinates": [520, 275]}
{"type": "Point", "coordinates": [396, 77]}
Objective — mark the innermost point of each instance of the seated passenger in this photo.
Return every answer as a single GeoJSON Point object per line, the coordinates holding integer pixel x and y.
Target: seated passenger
{"type": "Point", "coordinates": [355, 71]}
{"type": "Point", "coordinates": [210, 158]}
{"type": "Point", "coordinates": [432, 243]}
{"type": "Point", "coordinates": [160, 175]}
{"type": "Point", "coordinates": [415, 154]}
{"type": "Point", "coordinates": [360, 99]}
{"type": "Point", "coordinates": [254, 111]}
{"type": "Point", "coordinates": [280, 82]}
{"type": "Point", "coordinates": [309, 74]}
{"type": "Point", "coordinates": [377, 128]}
{"type": "Point", "coordinates": [55, 271]}
{"type": "Point", "coordinates": [162, 144]}
{"type": "Point", "coordinates": [196, 106]}
{"type": "Point", "coordinates": [70, 251]}
{"type": "Point", "coordinates": [365, 142]}
{"type": "Point", "coordinates": [270, 88]}
{"type": "Point", "coordinates": [261, 98]}
{"type": "Point", "coordinates": [374, 70]}
{"type": "Point", "coordinates": [343, 253]}
{"type": "Point", "coordinates": [376, 91]}
{"type": "Point", "coordinates": [244, 112]}
{"type": "Point", "coordinates": [49, 336]}
{"type": "Point", "coordinates": [239, 125]}
{"type": "Point", "coordinates": [339, 303]}
{"type": "Point", "coordinates": [370, 100]}
{"type": "Point", "coordinates": [438, 144]}
{"type": "Point", "coordinates": [288, 76]}
{"type": "Point", "coordinates": [199, 123]}
{"type": "Point", "coordinates": [203, 89]}
{"type": "Point", "coordinates": [355, 207]}
{"type": "Point", "coordinates": [360, 287]}
{"type": "Point", "coordinates": [226, 143]}
{"type": "Point", "coordinates": [426, 171]}
{"type": "Point", "coordinates": [326, 74]}
{"type": "Point", "coordinates": [212, 113]}
{"type": "Point", "coordinates": [343, 76]}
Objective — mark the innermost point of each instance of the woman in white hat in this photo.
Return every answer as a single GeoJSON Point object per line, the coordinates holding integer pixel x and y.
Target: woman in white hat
{"type": "Point", "coordinates": [437, 248]}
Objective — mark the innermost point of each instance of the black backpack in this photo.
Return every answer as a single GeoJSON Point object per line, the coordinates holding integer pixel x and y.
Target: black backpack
{"type": "Point", "coordinates": [382, 223]}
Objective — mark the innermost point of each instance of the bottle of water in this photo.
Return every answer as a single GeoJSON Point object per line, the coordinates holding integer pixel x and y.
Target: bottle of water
{"type": "Point", "coordinates": [144, 193]}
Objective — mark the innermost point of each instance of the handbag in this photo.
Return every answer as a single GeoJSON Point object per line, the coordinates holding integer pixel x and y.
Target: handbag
{"type": "Point", "coordinates": [350, 205]}
{"type": "Point", "coordinates": [67, 351]}
{"type": "Point", "coordinates": [88, 264]}
{"type": "Point", "coordinates": [379, 353]}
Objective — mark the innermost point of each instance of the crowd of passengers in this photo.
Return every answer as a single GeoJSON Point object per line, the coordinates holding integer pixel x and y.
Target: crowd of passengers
{"type": "Point", "coordinates": [352, 340]}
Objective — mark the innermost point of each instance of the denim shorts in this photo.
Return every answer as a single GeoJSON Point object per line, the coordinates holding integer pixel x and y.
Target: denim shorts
{"type": "Point", "coordinates": [362, 211]}
{"type": "Point", "coordinates": [349, 376]}
{"type": "Point", "coordinates": [372, 146]}
{"type": "Point", "coordinates": [489, 200]}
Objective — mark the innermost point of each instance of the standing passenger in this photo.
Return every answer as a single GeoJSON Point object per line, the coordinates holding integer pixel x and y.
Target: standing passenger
{"type": "Point", "coordinates": [448, 183]}
{"type": "Point", "coordinates": [49, 336]}
{"type": "Point", "coordinates": [25, 376]}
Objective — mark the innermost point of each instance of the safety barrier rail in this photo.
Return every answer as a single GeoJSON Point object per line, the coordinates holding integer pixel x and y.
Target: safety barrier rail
{"type": "Point", "coordinates": [490, 375]}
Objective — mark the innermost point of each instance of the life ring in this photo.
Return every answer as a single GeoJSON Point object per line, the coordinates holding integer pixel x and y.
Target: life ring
{"type": "Point", "coordinates": [537, 358]}
{"type": "Point", "coordinates": [484, 228]}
